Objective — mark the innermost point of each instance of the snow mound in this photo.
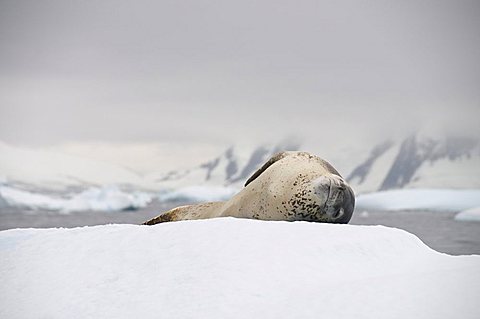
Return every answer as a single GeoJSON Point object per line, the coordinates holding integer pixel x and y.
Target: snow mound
{"type": "Point", "coordinates": [232, 268]}
{"type": "Point", "coordinates": [472, 214]}
{"type": "Point", "coordinates": [420, 199]}
{"type": "Point", "coordinates": [107, 198]}
{"type": "Point", "coordinates": [199, 194]}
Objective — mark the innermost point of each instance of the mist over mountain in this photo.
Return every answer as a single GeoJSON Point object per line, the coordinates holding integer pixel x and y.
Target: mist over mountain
{"type": "Point", "coordinates": [412, 161]}
{"type": "Point", "coordinates": [416, 161]}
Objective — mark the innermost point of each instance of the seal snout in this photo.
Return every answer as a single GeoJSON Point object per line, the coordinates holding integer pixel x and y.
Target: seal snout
{"type": "Point", "coordinates": [338, 197]}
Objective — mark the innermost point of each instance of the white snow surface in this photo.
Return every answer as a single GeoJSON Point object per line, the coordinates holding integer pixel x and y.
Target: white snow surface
{"type": "Point", "coordinates": [107, 198]}
{"type": "Point", "coordinates": [420, 199]}
{"type": "Point", "coordinates": [472, 214]}
{"type": "Point", "coordinates": [232, 268]}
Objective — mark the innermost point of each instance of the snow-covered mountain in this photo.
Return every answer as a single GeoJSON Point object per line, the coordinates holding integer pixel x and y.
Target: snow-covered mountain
{"type": "Point", "coordinates": [231, 168]}
{"type": "Point", "coordinates": [415, 161]}
{"type": "Point", "coordinates": [56, 171]}
{"type": "Point", "coordinates": [419, 162]}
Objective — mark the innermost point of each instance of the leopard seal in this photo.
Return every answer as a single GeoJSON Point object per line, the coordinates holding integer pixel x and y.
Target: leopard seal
{"type": "Point", "coordinates": [290, 186]}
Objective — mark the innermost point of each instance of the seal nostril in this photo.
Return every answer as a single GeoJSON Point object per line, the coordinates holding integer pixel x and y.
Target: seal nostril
{"type": "Point", "coordinates": [337, 213]}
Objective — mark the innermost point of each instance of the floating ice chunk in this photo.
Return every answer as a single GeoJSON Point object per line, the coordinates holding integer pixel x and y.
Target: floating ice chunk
{"type": "Point", "coordinates": [232, 268]}
{"type": "Point", "coordinates": [364, 214]}
{"type": "Point", "coordinates": [199, 194]}
{"type": "Point", "coordinates": [472, 214]}
{"type": "Point", "coordinates": [420, 199]}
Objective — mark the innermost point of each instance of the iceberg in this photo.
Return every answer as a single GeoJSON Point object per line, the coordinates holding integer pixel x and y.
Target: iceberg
{"type": "Point", "coordinates": [232, 268]}
{"type": "Point", "coordinates": [107, 198]}
{"type": "Point", "coordinates": [472, 214]}
{"type": "Point", "coordinates": [198, 193]}
{"type": "Point", "coordinates": [420, 199]}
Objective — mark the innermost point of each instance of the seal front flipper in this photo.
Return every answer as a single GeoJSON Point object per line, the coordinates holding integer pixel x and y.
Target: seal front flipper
{"type": "Point", "coordinates": [188, 212]}
{"type": "Point", "coordinates": [169, 216]}
{"type": "Point", "coordinates": [273, 159]}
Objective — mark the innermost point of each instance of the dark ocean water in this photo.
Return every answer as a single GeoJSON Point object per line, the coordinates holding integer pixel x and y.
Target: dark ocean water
{"type": "Point", "coordinates": [436, 229]}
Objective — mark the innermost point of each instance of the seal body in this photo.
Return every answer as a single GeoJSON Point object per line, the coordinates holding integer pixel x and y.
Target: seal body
{"type": "Point", "coordinates": [291, 186]}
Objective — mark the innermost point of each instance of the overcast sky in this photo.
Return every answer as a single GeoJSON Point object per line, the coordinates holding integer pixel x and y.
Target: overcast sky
{"type": "Point", "coordinates": [225, 71]}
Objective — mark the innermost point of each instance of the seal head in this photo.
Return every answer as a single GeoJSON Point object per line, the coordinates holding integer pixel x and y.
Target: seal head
{"type": "Point", "coordinates": [337, 196]}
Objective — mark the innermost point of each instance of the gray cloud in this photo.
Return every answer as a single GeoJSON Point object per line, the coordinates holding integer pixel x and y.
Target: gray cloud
{"type": "Point", "coordinates": [229, 70]}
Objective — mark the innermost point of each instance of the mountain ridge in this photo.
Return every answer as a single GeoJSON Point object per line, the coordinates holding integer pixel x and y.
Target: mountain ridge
{"type": "Point", "coordinates": [413, 161]}
{"type": "Point", "coordinates": [406, 160]}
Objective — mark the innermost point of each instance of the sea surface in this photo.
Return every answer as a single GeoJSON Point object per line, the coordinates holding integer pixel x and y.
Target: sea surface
{"type": "Point", "coordinates": [438, 230]}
